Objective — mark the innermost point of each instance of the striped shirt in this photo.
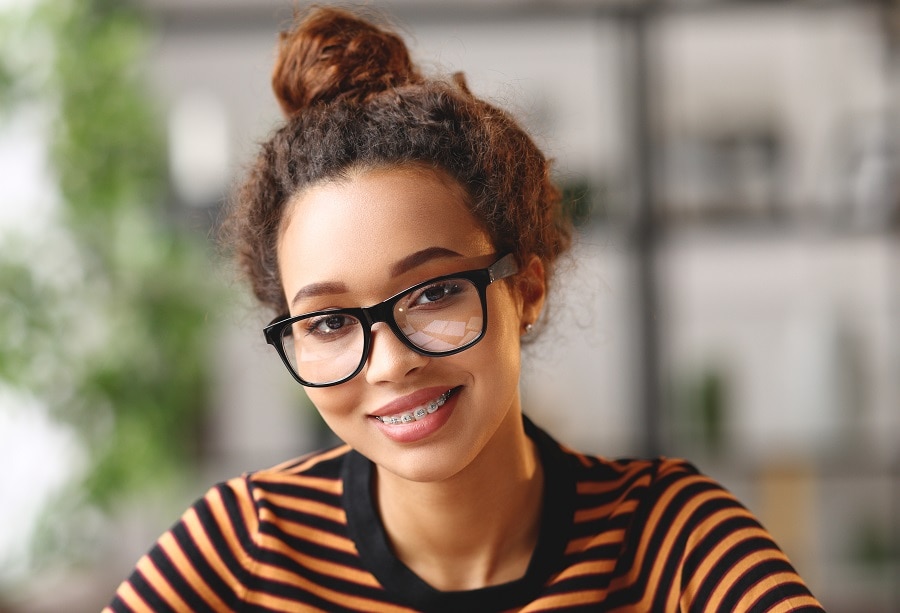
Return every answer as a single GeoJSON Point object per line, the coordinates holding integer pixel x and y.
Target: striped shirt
{"type": "Point", "coordinates": [627, 535]}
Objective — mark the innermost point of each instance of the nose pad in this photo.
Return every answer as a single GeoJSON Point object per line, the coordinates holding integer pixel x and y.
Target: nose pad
{"type": "Point", "coordinates": [389, 358]}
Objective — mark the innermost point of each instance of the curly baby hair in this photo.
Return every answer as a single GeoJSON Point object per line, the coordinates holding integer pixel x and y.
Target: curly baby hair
{"type": "Point", "coordinates": [353, 100]}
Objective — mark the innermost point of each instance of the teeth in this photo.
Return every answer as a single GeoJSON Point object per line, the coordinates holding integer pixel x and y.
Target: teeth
{"type": "Point", "coordinates": [417, 413]}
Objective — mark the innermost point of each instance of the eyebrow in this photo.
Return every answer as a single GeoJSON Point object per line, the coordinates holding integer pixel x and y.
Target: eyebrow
{"type": "Point", "coordinates": [327, 288]}
{"type": "Point", "coordinates": [420, 257]}
{"type": "Point", "coordinates": [319, 289]}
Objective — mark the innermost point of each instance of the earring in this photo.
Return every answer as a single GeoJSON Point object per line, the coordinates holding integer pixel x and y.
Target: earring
{"type": "Point", "coordinates": [529, 328]}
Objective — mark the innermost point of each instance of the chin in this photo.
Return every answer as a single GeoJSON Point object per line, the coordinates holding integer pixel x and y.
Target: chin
{"type": "Point", "coordinates": [422, 471]}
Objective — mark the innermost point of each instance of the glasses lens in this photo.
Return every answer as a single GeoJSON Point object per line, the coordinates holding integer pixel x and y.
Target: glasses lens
{"type": "Point", "coordinates": [324, 348]}
{"type": "Point", "coordinates": [443, 316]}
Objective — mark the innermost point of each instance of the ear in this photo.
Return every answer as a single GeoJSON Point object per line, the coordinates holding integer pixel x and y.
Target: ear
{"type": "Point", "coordinates": [531, 283]}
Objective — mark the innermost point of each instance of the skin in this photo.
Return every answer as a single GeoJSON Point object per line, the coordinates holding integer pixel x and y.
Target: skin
{"type": "Point", "coordinates": [461, 506]}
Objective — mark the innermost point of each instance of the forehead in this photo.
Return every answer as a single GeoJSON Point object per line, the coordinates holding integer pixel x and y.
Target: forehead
{"type": "Point", "coordinates": [353, 229]}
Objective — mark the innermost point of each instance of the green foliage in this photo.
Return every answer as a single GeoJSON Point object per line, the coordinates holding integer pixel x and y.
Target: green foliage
{"type": "Point", "coordinates": [106, 122]}
{"type": "Point", "coordinates": [700, 407]}
{"type": "Point", "coordinates": [8, 80]}
{"type": "Point", "coordinates": [6, 84]}
{"type": "Point", "coordinates": [105, 313]}
{"type": "Point", "coordinates": [577, 201]}
{"type": "Point", "coordinates": [874, 546]}
{"type": "Point", "coordinates": [22, 319]}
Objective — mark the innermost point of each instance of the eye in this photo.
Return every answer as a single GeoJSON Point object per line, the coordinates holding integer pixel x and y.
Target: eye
{"type": "Point", "coordinates": [327, 325]}
{"type": "Point", "coordinates": [435, 293]}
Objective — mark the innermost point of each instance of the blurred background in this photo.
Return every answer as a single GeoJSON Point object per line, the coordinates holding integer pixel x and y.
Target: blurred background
{"type": "Point", "coordinates": [733, 296]}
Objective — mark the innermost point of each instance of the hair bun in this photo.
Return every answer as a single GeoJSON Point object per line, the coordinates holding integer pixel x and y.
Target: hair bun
{"type": "Point", "coordinates": [332, 54]}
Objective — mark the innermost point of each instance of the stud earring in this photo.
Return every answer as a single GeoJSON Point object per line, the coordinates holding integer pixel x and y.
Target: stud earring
{"type": "Point", "coordinates": [528, 328]}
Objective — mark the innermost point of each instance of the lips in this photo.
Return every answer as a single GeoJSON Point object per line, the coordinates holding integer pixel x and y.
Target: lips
{"type": "Point", "coordinates": [410, 428]}
{"type": "Point", "coordinates": [411, 409]}
{"type": "Point", "coordinates": [416, 414]}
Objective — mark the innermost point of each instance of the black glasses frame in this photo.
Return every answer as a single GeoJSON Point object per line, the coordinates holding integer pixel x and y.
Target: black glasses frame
{"type": "Point", "coordinates": [384, 312]}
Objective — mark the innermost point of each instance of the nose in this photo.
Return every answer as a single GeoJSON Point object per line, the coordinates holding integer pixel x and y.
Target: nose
{"type": "Point", "coordinates": [389, 359]}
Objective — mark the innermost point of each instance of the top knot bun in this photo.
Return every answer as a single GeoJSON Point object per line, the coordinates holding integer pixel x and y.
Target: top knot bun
{"type": "Point", "coordinates": [332, 54]}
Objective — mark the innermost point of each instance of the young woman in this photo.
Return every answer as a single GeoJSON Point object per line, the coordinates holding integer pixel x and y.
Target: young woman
{"type": "Point", "coordinates": [405, 233]}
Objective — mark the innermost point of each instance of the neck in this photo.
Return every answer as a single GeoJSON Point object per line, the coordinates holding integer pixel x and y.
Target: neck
{"type": "Point", "coordinates": [476, 529]}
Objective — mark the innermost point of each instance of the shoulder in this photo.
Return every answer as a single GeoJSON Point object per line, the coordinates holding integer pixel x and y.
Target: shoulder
{"type": "Point", "coordinates": [303, 496]}
{"type": "Point", "coordinates": [315, 476]}
{"type": "Point", "coordinates": [648, 480]}
{"type": "Point", "coordinates": [605, 487]}
{"type": "Point", "coordinates": [662, 498]}
{"type": "Point", "coordinates": [647, 503]}
{"type": "Point", "coordinates": [316, 467]}
{"type": "Point", "coordinates": [223, 549]}
{"type": "Point", "coordinates": [312, 478]}
{"type": "Point", "coordinates": [682, 539]}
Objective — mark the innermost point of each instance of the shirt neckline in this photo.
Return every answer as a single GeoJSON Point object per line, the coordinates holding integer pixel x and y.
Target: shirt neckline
{"type": "Point", "coordinates": [365, 528]}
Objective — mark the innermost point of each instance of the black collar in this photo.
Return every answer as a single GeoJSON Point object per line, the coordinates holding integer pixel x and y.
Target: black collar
{"type": "Point", "coordinates": [366, 530]}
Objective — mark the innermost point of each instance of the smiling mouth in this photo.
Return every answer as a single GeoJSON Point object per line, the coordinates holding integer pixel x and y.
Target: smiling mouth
{"type": "Point", "coordinates": [420, 412]}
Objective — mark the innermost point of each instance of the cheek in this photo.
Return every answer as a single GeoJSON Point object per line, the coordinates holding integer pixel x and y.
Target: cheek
{"type": "Point", "coordinates": [500, 348]}
{"type": "Point", "coordinates": [506, 317]}
{"type": "Point", "coordinates": [332, 402]}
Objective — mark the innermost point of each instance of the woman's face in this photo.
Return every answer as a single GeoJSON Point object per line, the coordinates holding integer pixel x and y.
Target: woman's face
{"type": "Point", "coordinates": [357, 241]}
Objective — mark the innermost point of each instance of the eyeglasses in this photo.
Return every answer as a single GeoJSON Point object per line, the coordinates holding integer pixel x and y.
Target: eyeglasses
{"type": "Point", "coordinates": [439, 317]}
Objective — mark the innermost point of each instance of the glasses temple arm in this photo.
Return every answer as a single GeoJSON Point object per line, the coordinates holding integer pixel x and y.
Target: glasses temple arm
{"type": "Point", "coordinates": [504, 267]}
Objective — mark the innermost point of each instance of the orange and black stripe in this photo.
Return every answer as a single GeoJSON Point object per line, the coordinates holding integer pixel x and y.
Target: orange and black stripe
{"type": "Point", "coordinates": [628, 535]}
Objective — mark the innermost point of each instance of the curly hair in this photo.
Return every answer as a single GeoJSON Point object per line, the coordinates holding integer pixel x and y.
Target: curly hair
{"type": "Point", "coordinates": [354, 100]}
